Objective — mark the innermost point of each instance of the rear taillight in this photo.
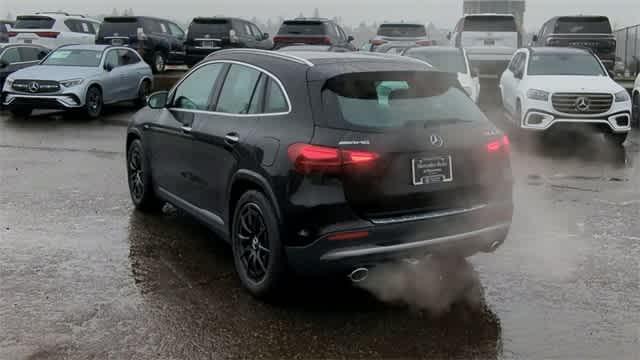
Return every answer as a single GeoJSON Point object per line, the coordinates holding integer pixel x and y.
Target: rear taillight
{"type": "Point", "coordinates": [48, 34]}
{"type": "Point", "coordinates": [308, 159]}
{"type": "Point", "coordinates": [377, 42]}
{"type": "Point", "coordinates": [424, 43]}
{"type": "Point", "coordinates": [326, 40]}
{"type": "Point", "coordinates": [12, 34]}
{"type": "Point", "coordinates": [499, 145]}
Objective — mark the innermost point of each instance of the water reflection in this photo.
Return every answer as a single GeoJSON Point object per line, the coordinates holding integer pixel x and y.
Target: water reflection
{"type": "Point", "coordinates": [195, 308]}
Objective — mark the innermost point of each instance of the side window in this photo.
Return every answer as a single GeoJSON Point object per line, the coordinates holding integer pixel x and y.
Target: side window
{"type": "Point", "coordinates": [127, 57]}
{"type": "Point", "coordinates": [275, 101]}
{"type": "Point", "coordinates": [29, 53]}
{"type": "Point", "coordinates": [240, 29]}
{"type": "Point", "coordinates": [256, 32]}
{"type": "Point", "coordinates": [164, 28]}
{"type": "Point", "coordinates": [88, 28]}
{"type": "Point", "coordinates": [176, 30]}
{"type": "Point", "coordinates": [257, 101]}
{"type": "Point", "coordinates": [194, 92]}
{"type": "Point", "coordinates": [238, 89]}
{"type": "Point", "coordinates": [247, 29]}
{"type": "Point", "coordinates": [12, 56]}
{"type": "Point", "coordinates": [331, 30]}
{"type": "Point", "coordinates": [342, 34]}
{"type": "Point", "coordinates": [112, 59]}
{"type": "Point", "coordinates": [72, 25]}
{"type": "Point", "coordinates": [151, 26]}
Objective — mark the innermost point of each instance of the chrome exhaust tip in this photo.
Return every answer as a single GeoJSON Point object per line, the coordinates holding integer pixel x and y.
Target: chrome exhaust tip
{"type": "Point", "coordinates": [359, 275]}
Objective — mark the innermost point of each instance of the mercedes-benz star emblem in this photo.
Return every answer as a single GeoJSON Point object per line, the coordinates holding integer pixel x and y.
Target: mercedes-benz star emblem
{"type": "Point", "coordinates": [583, 104]}
{"type": "Point", "coordinates": [34, 87]}
{"type": "Point", "coordinates": [436, 140]}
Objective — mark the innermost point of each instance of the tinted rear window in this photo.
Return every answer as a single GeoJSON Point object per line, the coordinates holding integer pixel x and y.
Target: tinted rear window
{"type": "Point", "coordinates": [385, 100]}
{"type": "Point", "coordinates": [34, 22]}
{"type": "Point", "coordinates": [447, 61]}
{"type": "Point", "coordinates": [583, 25]}
{"type": "Point", "coordinates": [215, 27]}
{"type": "Point", "coordinates": [121, 26]}
{"type": "Point", "coordinates": [490, 24]}
{"type": "Point", "coordinates": [402, 30]}
{"type": "Point", "coordinates": [302, 28]}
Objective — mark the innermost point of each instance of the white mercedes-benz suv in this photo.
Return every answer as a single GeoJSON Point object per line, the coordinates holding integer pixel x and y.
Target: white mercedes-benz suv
{"type": "Point", "coordinates": [547, 87]}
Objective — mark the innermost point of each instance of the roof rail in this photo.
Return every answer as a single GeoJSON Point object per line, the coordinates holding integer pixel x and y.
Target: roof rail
{"type": "Point", "coordinates": [53, 13]}
{"type": "Point", "coordinates": [279, 55]}
{"type": "Point", "coordinates": [77, 15]}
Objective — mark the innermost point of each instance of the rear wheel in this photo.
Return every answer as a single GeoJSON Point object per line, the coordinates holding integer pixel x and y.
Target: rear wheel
{"type": "Point", "coordinates": [635, 112]}
{"type": "Point", "coordinates": [20, 112]}
{"type": "Point", "coordinates": [616, 139]}
{"type": "Point", "coordinates": [257, 250]}
{"type": "Point", "coordinates": [93, 102]}
{"type": "Point", "coordinates": [139, 179]}
{"type": "Point", "coordinates": [143, 92]}
{"type": "Point", "coordinates": [159, 63]}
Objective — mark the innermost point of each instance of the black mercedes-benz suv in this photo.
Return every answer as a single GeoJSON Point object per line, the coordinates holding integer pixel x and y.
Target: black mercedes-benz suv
{"type": "Point", "coordinates": [592, 32]}
{"type": "Point", "coordinates": [323, 163]}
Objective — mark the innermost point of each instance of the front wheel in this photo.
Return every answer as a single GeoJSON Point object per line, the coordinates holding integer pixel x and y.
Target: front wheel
{"type": "Point", "coordinates": [159, 63]}
{"type": "Point", "coordinates": [93, 103]}
{"type": "Point", "coordinates": [143, 92]}
{"type": "Point", "coordinates": [635, 110]}
{"type": "Point", "coordinates": [616, 139]}
{"type": "Point", "coordinates": [257, 249]}
{"type": "Point", "coordinates": [139, 179]}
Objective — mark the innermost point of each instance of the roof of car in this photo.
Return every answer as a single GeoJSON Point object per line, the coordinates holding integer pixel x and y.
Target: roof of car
{"type": "Point", "coordinates": [86, 47]}
{"type": "Point", "coordinates": [216, 18]}
{"type": "Point", "coordinates": [558, 50]}
{"type": "Point", "coordinates": [435, 49]}
{"type": "Point", "coordinates": [310, 19]}
{"type": "Point", "coordinates": [136, 17]}
{"type": "Point", "coordinates": [400, 24]}
{"type": "Point", "coordinates": [489, 14]}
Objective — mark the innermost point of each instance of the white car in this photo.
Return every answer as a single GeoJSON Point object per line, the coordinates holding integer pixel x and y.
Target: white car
{"type": "Point", "coordinates": [54, 29]}
{"type": "Point", "coordinates": [636, 102]}
{"type": "Point", "coordinates": [548, 86]}
{"type": "Point", "coordinates": [490, 40]}
{"type": "Point", "coordinates": [452, 60]}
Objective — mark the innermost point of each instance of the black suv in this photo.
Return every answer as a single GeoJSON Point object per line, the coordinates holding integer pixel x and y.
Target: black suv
{"type": "Point", "coordinates": [304, 162]}
{"type": "Point", "coordinates": [160, 42]}
{"type": "Point", "coordinates": [312, 31]}
{"type": "Point", "coordinates": [592, 32]}
{"type": "Point", "coordinates": [5, 27]}
{"type": "Point", "coordinates": [206, 35]}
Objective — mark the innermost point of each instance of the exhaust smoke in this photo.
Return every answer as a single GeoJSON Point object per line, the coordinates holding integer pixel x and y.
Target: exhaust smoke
{"type": "Point", "coordinates": [432, 284]}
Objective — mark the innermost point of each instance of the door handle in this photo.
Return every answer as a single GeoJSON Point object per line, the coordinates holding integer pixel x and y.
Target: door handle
{"type": "Point", "coordinates": [186, 129]}
{"type": "Point", "coordinates": [231, 138]}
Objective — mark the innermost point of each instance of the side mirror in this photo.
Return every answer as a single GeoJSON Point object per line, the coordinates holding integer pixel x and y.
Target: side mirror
{"type": "Point", "coordinates": [535, 38]}
{"type": "Point", "coordinates": [350, 38]}
{"type": "Point", "coordinates": [158, 100]}
{"type": "Point", "coordinates": [449, 35]}
{"type": "Point", "coordinates": [42, 55]}
{"type": "Point", "coordinates": [108, 67]}
{"type": "Point", "coordinates": [3, 64]}
{"type": "Point", "coordinates": [265, 36]}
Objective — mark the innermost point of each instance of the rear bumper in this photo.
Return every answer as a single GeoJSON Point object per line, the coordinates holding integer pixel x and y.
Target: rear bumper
{"type": "Point", "coordinates": [468, 232]}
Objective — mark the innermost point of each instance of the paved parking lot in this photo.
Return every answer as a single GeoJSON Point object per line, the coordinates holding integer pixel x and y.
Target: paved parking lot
{"type": "Point", "coordinates": [84, 276]}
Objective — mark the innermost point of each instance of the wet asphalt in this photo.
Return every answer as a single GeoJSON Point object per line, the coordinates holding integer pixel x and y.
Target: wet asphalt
{"type": "Point", "coordinates": [84, 276]}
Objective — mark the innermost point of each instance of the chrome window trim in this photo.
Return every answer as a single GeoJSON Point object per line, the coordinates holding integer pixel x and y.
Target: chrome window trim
{"type": "Point", "coordinates": [257, 68]}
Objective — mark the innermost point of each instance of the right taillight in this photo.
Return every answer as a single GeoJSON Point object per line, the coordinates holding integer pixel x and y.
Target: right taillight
{"type": "Point", "coordinates": [308, 159]}
{"type": "Point", "coordinates": [377, 42]}
{"type": "Point", "coordinates": [48, 34]}
{"type": "Point", "coordinates": [499, 145]}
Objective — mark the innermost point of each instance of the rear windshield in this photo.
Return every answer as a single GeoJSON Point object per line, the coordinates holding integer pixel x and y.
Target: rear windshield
{"type": "Point", "coordinates": [447, 61]}
{"type": "Point", "coordinates": [385, 100]}
{"type": "Point", "coordinates": [565, 64]}
{"type": "Point", "coordinates": [120, 26]}
{"type": "Point", "coordinates": [215, 27]}
{"type": "Point", "coordinates": [402, 30]}
{"type": "Point", "coordinates": [302, 28]}
{"type": "Point", "coordinates": [490, 23]}
{"type": "Point", "coordinates": [583, 25]}
{"type": "Point", "coordinates": [34, 22]}
{"type": "Point", "coordinates": [77, 57]}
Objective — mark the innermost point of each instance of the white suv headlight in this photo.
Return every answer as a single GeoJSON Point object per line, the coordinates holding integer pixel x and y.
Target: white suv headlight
{"type": "Point", "coordinates": [622, 96]}
{"type": "Point", "coordinates": [71, 83]}
{"type": "Point", "coordinates": [540, 95]}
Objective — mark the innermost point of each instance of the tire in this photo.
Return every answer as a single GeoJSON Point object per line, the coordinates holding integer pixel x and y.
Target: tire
{"type": "Point", "coordinates": [257, 248]}
{"type": "Point", "coordinates": [159, 64]}
{"type": "Point", "coordinates": [93, 103]}
{"type": "Point", "coordinates": [143, 92]}
{"type": "Point", "coordinates": [139, 179]}
{"type": "Point", "coordinates": [635, 112]}
{"type": "Point", "coordinates": [20, 113]}
{"type": "Point", "coordinates": [616, 139]}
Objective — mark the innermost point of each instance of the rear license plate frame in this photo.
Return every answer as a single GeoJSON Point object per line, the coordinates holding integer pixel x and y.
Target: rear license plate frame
{"type": "Point", "coordinates": [432, 170]}
{"type": "Point", "coordinates": [489, 42]}
{"type": "Point", "coordinates": [27, 41]}
{"type": "Point", "coordinates": [117, 42]}
{"type": "Point", "coordinates": [209, 44]}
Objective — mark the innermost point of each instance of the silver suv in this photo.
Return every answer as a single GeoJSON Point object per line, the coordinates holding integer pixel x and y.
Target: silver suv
{"type": "Point", "coordinates": [79, 77]}
{"type": "Point", "coordinates": [400, 35]}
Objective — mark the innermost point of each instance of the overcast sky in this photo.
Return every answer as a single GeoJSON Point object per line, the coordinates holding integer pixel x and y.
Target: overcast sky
{"type": "Point", "coordinates": [444, 13]}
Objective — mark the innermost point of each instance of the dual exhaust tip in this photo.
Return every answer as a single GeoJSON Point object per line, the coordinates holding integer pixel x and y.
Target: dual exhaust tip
{"type": "Point", "coordinates": [359, 275]}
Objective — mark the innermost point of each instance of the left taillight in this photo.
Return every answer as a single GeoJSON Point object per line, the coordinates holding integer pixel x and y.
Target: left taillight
{"type": "Point", "coordinates": [308, 159]}
{"type": "Point", "coordinates": [499, 145]}
{"type": "Point", "coordinates": [12, 34]}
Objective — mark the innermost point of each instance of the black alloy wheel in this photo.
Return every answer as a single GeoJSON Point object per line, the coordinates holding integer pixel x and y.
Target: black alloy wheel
{"type": "Point", "coordinates": [143, 92]}
{"type": "Point", "coordinates": [635, 110]}
{"type": "Point", "coordinates": [257, 250]}
{"type": "Point", "coordinates": [93, 103]}
{"type": "Point", "coordinates": [139, 179]}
